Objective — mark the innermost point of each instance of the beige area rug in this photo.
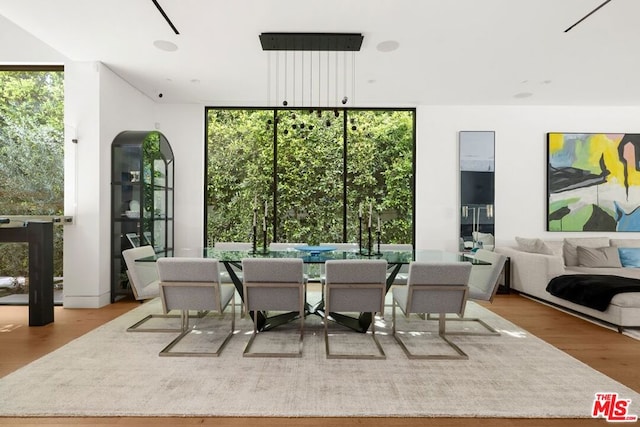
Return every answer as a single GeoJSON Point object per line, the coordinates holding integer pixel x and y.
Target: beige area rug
{"type": "Point", "coordinates": [111, 372]}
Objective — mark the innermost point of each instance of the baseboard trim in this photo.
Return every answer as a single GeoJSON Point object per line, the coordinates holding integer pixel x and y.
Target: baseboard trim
{"type": "Point", "coordinates": [97, 301]}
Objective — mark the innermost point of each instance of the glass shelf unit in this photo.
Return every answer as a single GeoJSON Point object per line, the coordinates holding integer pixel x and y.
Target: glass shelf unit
{"type": "Point", "coordinates": [142, 200]}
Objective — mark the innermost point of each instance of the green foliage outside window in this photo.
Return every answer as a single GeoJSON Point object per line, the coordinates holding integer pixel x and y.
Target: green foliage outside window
{"type": "Point", "coordinates": [308, 188]}
{"type": "Point", "coordinates": [31, 157]}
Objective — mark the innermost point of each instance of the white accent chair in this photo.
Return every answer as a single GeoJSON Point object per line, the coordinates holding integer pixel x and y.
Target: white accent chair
{"type": "Point", "coordinates": [483, 286]}
{"type": "Point", "coordinates": [194, 284]}
{"type": "Point", "coordinates": [273, 284]}
{"type": "Point", "coordinates": [438, 288]}
{"type": "Point", "coordinates": [144, 281]}
{"type": "Point", "coordinates": [355, 286]}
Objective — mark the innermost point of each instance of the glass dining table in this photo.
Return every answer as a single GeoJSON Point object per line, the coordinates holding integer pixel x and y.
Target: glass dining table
{"type": "Point", "coordinates": [232, 260]}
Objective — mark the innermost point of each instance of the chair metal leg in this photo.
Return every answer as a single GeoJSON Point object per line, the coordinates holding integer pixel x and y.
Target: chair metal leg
{"type": "Point", "coordinates": [491, 330]}
{"type": "Point", "coordinates": [461, 355]}
{"type": "Point", "coordinates": [379, 355]}
{"type": "Point", "coordinates": [247, 350]}
{"type": "Point", "coordinates": [137, 327]}
{"type": "Point", "coordinates": [184, 315]}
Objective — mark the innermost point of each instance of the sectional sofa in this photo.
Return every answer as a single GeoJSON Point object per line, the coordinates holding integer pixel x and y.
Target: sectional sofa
{"type": "Point", "coordinates": [535, 262]}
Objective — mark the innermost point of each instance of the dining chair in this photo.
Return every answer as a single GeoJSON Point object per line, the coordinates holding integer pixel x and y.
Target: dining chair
{"type": "Point", "coordinates": [144, 282]}
{"type": "Point", "coordinates": [437, 288]}
{"type": "Point", "coordinates": [275, 284]}
{"type": "Point", "coordinates": [483, 286]}
{"type": "Point", "coordinates": [354, 286]}
{"type": "Point", "coordinates": [194, 284]}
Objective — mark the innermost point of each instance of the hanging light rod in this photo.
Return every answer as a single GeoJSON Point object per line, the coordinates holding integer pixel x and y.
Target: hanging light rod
{"type": "Point", "coordinates": [586, 16]}
{"type": "Point", "coordinates": [312, 41]}
{"type": "Point", "coordinates": [165, 16]}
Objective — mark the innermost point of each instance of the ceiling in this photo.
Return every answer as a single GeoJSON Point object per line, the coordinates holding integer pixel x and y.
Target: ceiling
{"type": "Point", "coordinates": [451, 52]}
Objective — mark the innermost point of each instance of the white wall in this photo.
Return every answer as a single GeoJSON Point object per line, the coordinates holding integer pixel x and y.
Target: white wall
{"type": "Point", "coordinates": [183, 125]}
{"type": "Point", "coordinates": [98, 106]}
{"type": "Point", "coordinates": [521, 161]}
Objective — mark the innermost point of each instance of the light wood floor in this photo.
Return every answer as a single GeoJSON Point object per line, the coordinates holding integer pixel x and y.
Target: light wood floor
{"type": "Point", "coordinates": [605, 350]}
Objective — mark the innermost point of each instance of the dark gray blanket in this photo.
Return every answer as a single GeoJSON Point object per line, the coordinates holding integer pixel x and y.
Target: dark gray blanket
{"type": "Point", "coordinates": [591, 290]}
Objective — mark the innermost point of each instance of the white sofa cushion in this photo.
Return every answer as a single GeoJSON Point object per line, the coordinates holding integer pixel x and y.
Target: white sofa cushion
{"type": "Point", "coordinates": [570, 250]}
{"type": "Point", "coordinates": [606, 257]}
{"type": "Point", "coordinates": [557, 247]}
{"type": "Point", "coordinates": [625, 243]}
{"type": "Point", "coordinates": [535, 246]}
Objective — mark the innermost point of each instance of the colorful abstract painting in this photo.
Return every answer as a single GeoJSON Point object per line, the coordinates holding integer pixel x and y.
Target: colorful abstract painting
{"type": "Point", "coordinates": [593, 182]}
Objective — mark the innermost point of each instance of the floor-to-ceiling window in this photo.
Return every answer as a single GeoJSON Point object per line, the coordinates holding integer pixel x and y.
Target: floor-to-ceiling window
{"type": "Point", "coordinates": [31, 159]}
{"type": "Point", "coordinates": [316, 170]}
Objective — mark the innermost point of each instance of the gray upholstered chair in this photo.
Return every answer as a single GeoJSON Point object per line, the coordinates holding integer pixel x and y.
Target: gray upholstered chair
{"type": "Point", "coordinates": [144, 281]}
{"type": "Point", "coordinates": [194, 284]}
{"type": "Point", "coordinates": [355, 286]}
{"type": "Point", "coordinates": [483, 285]}
{"type": "Point", "coordinates": [276, 284]}
{"type": "Point", "coordinates": [438, 288]}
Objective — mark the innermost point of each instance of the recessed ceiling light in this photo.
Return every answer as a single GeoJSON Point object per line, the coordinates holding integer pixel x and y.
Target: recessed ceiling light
{"type": "Point", "coordinates": [388, 46]}
{"type": "Point", "coordinates": [523, 95]}
{"type": "Point", "coordinates": [165, 45]}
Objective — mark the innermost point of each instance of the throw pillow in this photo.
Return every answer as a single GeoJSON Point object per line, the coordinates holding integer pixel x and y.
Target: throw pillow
{"type": "Point", "coordinates": [536, 246]}
{"type": "Point", "coordinates": [625, 243]}
{"type": "Point", "coordinates": [570, 244]}
{"type": "Point", "coordinates": [607, 257]}
{"type": "Point", "coordinates": [629, 257]}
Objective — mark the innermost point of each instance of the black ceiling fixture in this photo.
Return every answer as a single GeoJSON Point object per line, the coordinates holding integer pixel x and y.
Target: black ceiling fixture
{"type": "Point", "coordinates": [312, 41]}
{"type": "Point", "coordinates": [173, 27]}
{"type": "Point", "coordinates": [587, 15]}
{"type": "Point", "coordinates": [316, 48]}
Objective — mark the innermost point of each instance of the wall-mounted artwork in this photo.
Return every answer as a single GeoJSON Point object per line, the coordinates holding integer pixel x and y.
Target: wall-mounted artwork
{"type": "Point", "coordinates": [593, 182]}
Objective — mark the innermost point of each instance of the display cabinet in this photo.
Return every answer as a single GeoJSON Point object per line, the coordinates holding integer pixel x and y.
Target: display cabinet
{"type": "Point", "coordinates": [142, 200]}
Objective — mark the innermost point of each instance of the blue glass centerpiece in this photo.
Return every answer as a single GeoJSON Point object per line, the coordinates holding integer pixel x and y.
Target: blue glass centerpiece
{"type": "Point", "coordinates": [315, 250]}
